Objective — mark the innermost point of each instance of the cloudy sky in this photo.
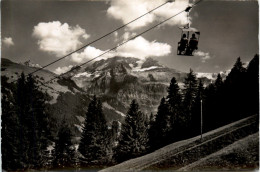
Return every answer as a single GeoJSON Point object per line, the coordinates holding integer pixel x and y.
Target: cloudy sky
{"type": "Point", "coordinates": [45, 30]}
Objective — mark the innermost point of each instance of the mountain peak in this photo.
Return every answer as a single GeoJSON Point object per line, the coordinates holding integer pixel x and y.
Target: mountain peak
{"type": "Point", "coordinates": [113, 62]}
{"type": "Point", "coordinates": [149, 62]}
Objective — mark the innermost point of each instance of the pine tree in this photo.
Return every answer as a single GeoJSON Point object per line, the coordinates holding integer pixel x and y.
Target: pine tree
{"type": "Point", "coordinates": [174, 101]}
{"type": "Point", "coordinates": [160, 129]}
{"type": "Point", "coordinates": [236, 72]}
{"type": "Point", "coordinates": [133, 139]}
{"type": "Point", "coordinates": [219, 82]}
{"type": "Point", "coordinates": [190, 91]}
{"type": "Point", "coordinates": [64, 151]}
{"type": "Point", "coordinates": [219, 109]}
{"type": "Point", "coordinates": [93, 143]}
{"type": "Point", "coordinates": [196, 110]}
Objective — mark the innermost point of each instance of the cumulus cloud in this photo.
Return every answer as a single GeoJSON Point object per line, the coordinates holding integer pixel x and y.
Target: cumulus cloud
{"type": "Point", "coordinates": [88, 53]}
{"type": "Point", "coordinates": [131, 9]}
{"type": "Point", "coordinates": [57, 38]}
{"type": "Point", "coordinates": [204, 56]}
{"type": "Point", "coordinates": [138, 47]}
{"type": "Point", "coordinates": [8, 41]}
{"type": "Point", "coordinates": [64, 69]}
{"type": "Point", "coordinates": [142, 48]}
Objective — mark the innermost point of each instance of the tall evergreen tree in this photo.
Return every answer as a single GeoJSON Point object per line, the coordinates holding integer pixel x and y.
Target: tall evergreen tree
{"type": "Point", "coordinates": [160, 129]}
{"type": "Point", "coordinates": [174, 100]}
{"type": "Point", "coordinates": [236, 72]}
{"type": "Point", "coordinates": [189, 91]}
{"type": "Point", "coordinates": [174, 97]}
{"type": "Point", "coordinates": [93, 143]}
{"type": "Point", "coordinates": [133, 139]}
{"type": "Point", "coordinates": [64, 151]}
{"type": "Point", "coordinates": [196, 109]}
{"type": "Point", "coordinates": [219, 109]}
{"type": "Point", "coordinates": [219, 82]}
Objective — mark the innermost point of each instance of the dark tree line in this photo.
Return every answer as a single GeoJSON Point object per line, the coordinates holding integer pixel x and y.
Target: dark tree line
{"type": "Point", "coordinates": [25, 131]}
{"type": "Point", "coordinates": [26, 127]}
{"type": "Point", "coordinates": [234, 98]}
{"type": "Point", "coordinates": [224, 101]}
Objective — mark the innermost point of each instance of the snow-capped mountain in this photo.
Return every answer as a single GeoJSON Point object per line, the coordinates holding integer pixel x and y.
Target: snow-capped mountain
{"type": "Point", "coordinates": [119, 80]}
{"type": "Point", "coordinates": [208, 78]}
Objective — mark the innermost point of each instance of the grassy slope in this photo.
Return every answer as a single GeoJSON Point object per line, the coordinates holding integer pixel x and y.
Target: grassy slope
{"type": "Point", "coordinates": [241, 155]}
{"type": "Point", "coordinates": [182, 153]}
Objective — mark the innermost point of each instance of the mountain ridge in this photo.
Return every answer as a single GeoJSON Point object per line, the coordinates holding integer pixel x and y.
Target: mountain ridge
{"type": "Point", "coordinates": [116, 81]}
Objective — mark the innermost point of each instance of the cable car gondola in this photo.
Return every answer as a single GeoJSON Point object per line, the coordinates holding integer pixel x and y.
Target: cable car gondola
{"type": "Point", "coordinates": [189, 39]}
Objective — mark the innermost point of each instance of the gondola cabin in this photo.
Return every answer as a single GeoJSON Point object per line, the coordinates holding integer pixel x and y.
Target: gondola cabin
{"type": "Point", "coordinates": [189, 41]}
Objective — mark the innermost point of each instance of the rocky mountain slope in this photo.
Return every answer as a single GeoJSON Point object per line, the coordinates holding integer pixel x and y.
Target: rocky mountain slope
{"type": "Point", "coordinates": [119, 80]}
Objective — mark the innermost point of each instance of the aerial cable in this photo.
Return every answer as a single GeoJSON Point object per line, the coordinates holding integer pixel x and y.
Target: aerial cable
{"type": "Point", "coordinates": [98, 39]}
{"type": "Point", "coordinates": [114, 48]}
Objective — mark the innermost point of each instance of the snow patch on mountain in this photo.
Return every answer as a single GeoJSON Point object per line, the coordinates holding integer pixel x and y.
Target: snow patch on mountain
{"type": "Point", "coordinates": [212, 76]}
{"type": "Point", "coordinates": [226, 72]}
{"type": "Point", "coordinates": [97, 74]}
{"type": "Point", "coordinates": [145, 69]}
{"type": "Point", "coordinates": [105, 104]}
{"type": "Point", "coordinates": [83, 74]}
{"type": "Point", "coordinates": [205, 75]}
{"type": "Point", "coordinates": [139, 65]}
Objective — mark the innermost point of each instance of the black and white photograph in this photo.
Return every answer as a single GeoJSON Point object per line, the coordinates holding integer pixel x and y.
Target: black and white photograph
{"type": "Point", "coordinates": [130, 85]}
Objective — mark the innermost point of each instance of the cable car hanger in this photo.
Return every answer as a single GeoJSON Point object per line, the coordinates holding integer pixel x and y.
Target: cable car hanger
{"type": "Point", "coordinates": [187, 46]}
